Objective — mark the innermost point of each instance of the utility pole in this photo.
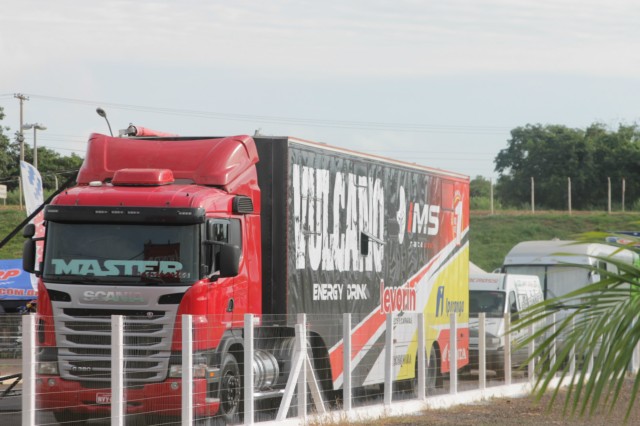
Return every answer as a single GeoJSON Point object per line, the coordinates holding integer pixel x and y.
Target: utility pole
{"type": "Point", "coordinates": [22, 98]}
{"type": "Point", "coordinates": [35, 127]}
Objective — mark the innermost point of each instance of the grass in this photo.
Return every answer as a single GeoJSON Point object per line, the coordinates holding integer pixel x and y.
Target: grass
{"type": "Point", "coordinates": [492, 236]}
{"type": "Point", "coordinates": [10, 217]}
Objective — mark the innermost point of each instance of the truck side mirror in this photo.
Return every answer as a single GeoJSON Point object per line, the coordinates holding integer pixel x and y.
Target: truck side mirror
{"type": "Point", "coordinates": [29, 256]}
{"type": "Point", "coordinates": [29, 249]}
{"type": "Point", "coordinates": [29, 230]}
{"type": "Point", "coordinates": [229, 260]}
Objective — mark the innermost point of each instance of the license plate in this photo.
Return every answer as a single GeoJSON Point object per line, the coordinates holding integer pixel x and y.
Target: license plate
{"type": "Point", "coordinates": [103, 398]}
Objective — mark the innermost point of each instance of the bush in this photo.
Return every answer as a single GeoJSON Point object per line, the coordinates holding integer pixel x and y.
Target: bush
{"type": "Point", "coordinates": [484, 203]}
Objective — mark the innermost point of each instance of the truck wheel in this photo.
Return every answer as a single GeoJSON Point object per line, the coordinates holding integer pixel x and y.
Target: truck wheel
{"type": "Point", "coordinates": [433, 375]}
{"type": "Point", "coordinates": [230, 389]}
{"type": "Point", "coordinates": [67, 418]}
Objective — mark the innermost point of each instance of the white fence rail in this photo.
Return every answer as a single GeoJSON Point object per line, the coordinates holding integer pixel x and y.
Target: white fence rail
{"type": "Point", "coordinates": [303, 393]}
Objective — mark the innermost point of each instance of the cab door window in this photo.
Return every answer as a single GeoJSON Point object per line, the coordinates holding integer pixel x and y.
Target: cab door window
{"type": "Point", "coordinates": [221, 231]}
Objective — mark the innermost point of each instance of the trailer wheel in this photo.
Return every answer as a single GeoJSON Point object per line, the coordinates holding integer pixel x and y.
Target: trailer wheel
{"type": "Point", "coordinates": [433, 379]}
{"type": "Point", "coordinates": [230, 389]}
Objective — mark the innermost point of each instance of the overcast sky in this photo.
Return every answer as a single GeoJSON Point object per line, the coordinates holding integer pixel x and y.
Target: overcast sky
{"type": "Point", "coordinates": [437, 82]}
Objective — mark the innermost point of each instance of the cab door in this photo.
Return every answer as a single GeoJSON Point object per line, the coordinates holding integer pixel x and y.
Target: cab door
{"type": "Point", "coordinates": [221, 301]}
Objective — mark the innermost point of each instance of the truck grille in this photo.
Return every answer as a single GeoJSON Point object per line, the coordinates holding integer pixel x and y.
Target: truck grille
{"type": "Point", "coordinates": [84, 344]}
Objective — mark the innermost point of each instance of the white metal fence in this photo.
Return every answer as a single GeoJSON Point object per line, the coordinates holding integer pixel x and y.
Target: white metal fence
{"type": "Point", "coordinates": [304, 394]}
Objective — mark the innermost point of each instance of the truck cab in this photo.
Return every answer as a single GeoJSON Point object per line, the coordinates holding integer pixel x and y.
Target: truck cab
{"type": "Point", "coordinates": [150, 235]}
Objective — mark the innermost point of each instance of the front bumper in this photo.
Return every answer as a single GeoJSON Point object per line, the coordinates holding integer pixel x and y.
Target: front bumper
{"type": "Point", "coordinates": [56, 394]}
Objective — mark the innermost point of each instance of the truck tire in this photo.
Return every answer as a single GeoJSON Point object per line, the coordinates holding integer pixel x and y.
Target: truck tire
{"type": "Point", "coordinates": [433, 373]}
{"type": "Point", "coordinates": [230, 390]}
{"type": "Point", "coordinates": [433, 376]}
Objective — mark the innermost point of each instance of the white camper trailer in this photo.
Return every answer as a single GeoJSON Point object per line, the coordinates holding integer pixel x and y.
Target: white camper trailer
{"type": "Point", "coordinates": [562, 266]}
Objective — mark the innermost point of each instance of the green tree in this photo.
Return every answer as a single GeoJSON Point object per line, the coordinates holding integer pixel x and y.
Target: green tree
{"type": "Point", "coordinates": [6, 161]}
{"type": "Point", "coordinates": [548, 154]}
{"type": "Point", "coordinates": [9, 157]}
{"type": "Point", "coordinates": [551, 154]}
{"type": "Point", "coordinates": [479, 187]}
{"type": "Point", "coordinates": [480, 193]}
{"type": "Point", "coordinates": [51, 164]}
{"type": "Point", "coordinates": [618, 157]}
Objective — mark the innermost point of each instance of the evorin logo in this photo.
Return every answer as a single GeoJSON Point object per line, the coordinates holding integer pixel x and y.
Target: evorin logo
{"type": "Point", "coordinates": [440, 301]}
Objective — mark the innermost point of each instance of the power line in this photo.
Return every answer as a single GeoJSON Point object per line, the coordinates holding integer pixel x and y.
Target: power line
{"type": "Point", "coordinates": [361, 125]}
{"type": "Point", "coordinates": [49, 173]}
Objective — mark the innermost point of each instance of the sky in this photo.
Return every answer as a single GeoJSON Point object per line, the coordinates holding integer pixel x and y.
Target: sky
{"type": "Point", "coordinates": [438, 83]}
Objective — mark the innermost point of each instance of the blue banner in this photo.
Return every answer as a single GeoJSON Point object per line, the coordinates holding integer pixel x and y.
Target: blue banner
{"type": "Point", "coordinates": [15, 284]}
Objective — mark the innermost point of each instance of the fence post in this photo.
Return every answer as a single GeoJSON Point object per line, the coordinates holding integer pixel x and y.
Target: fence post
{"type": "Point", "coordinates": [346, 370]}
{"type": "Point", "coordinates": [298, 362]}
{"type": "Point", "coordinates": [482, 351]}
{"type": "Point", "coordinates": [491, 196]}
{"type": "Point", "coordinates": [533, 196]}
{"type": "Point", "coordinates": [248, 369]}
{"type": "Point", "coordinates": [569, 193]}
{"type": "Point", "coordinates": [609, 194]}
{"type": "Point", "coordinates": [635, 357]}
{"type": "Point", "coordinates": [29, 370]}
{"type": "Point", "coordinates": [572, 353]}
{"type": "Point", "coordinates": [187, 370]}
{"type": "Point", "coordinates": [302, 378]}
{"type": "Point", "coordinates": [422, 350]}
{"type": "Point", "coordinates": [507, 348]}
{"type": "Point", "coordinates": [117, 370]}
{"type": "Point", "coordinates": [532, 348]}
{"type": "Point", "coordinates": [388, 360]}
{"type": "Point", "coordinates": [624, 189]}
{"type": "Point", "coordinates": [453, 355]}
{"type": "Point", "coordinates": [554, 344]}
{"type": "Point", "coordinates": [591, 356]}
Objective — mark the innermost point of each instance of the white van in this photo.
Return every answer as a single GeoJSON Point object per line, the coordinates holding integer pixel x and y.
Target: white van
{"type": "Point", "coordinates": [497, 295]}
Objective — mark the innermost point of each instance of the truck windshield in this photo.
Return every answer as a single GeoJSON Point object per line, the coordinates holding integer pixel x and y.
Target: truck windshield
{"type": "Point", "coordinates": [489, 302]}
{"type": "Point", "coordinates": [122, 253]}
{"type": "Point", "coordinates": [557, 280]}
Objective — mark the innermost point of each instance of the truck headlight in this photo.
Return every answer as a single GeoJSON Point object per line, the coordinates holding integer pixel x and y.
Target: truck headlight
{"type": "Point", "coordinates": [199, 371]}
{"type": "Point", "coordinates": [49, 368]}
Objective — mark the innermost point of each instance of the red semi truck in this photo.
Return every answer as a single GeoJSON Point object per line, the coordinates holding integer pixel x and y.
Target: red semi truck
{"type": "Point", "coordinates": [216, 227]}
